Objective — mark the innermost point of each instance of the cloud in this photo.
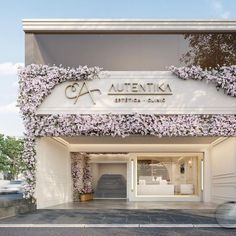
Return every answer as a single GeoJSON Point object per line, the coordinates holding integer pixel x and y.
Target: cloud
{"type": "Point", "coordinates": [9, 108]}
{"type": "Point", "coordinates": [9, 68]}
{"type": "Point", "coordinates": [219, 9]}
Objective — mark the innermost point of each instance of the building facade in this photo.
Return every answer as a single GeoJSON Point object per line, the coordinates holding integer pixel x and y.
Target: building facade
{"type": "Point", "coordinates": [145, 123]}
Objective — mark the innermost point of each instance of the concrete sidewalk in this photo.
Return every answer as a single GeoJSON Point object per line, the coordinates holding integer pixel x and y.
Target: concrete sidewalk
{"type": "Point", "coordinates": [133, 205]}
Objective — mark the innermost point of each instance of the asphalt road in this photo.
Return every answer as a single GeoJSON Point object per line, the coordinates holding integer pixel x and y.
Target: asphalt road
{"type": "Point", "coordinates": [115, 231]}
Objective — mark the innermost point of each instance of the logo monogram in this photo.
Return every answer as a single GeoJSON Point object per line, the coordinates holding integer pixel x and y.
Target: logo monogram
{"type": "Point", "coordinates": [75, 91]}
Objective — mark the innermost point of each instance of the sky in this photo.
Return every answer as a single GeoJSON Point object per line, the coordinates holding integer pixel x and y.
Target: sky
{"type": "Point", "coordinates": [12, 36]}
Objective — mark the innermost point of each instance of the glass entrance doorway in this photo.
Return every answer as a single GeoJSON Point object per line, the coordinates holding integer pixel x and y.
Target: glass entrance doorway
{"type": "Point", "coordinates": [147, 176]}
{"type": "Point", "coordinates": [171, 175]}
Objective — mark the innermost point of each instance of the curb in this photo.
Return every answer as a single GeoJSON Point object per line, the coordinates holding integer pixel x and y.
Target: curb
{"type": "Point", "coordinates": [112, 226]}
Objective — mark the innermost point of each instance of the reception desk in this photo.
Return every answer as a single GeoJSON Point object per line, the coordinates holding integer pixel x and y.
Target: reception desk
{"type": "Point", "coordinates": [155, 189]}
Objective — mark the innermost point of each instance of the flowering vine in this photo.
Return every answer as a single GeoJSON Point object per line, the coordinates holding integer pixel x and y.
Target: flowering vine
{"type": "Point", "coordinates": [29, 158]}
{"type": "Point", "coordinates": [81, 174]}
{"type": "Point", "coordinates": [87, 176]}
{"type": "Point", "coordinates": [132, 124]}
{"type": "Point", "coordinates": [37, 81]}
{"type": "Point", "coordinates": [224, 77]}
{"type": "Point", "coordinates": [77, 174]}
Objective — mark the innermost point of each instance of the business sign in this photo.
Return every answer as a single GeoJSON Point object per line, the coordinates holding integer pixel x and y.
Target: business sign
{"type": "Point", "coordinates": [124, 92]}
{"type": "Point", "coordinates": [143, 92]}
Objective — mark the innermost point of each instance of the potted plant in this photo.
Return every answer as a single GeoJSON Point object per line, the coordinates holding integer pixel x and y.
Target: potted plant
{"type": "Point", "coordinates": [86, 194]}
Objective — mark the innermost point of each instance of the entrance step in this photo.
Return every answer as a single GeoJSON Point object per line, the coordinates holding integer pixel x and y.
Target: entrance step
{"type": "Point", "coordinates": [111, 186]}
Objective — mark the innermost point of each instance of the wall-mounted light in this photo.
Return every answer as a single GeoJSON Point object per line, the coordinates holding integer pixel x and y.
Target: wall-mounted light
{"type": "Point", "coordinates": [190, 163]}
{"type": "Point", "coordinates": [132, 175]}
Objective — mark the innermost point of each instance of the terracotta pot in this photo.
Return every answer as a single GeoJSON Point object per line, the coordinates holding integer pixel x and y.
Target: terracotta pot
{"type": "Point", "coordinates": [86, 197]}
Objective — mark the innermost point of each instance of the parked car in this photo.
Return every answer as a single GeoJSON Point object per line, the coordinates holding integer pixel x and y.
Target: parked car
{"type": "Point", "coordinates": [15, 186]}
{"type": "Point", "coordinates": [226, 215]}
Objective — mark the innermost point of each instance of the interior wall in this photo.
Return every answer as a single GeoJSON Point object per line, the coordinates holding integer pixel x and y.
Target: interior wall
{"type": "Point", "coordinates": [99, 169]}
{"type": "Point", "coordinates": [191, 175]}
{"type": "Point", "coordinates": [54, 184]}
{"type": "Point", "coordinates": [112, 169]}
{"type": "Point", "coordinates": [223, 160]}
{"type": "Point", "coordinates": [95, 174]}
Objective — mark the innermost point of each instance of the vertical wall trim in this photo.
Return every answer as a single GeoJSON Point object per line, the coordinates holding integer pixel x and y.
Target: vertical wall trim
{"type": "Point", "coordinates": [207, 176]}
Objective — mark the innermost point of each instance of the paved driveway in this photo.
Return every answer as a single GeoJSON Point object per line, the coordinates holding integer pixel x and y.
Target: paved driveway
{"type": "Point", "coordinates": [114, 216]}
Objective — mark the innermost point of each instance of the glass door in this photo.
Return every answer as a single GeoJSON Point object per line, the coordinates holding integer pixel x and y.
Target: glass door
{"type": "Point", "coordinates": [173, 175]}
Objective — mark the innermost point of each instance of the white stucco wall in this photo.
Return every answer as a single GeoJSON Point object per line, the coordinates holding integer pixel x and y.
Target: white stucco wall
{"type": "Point", "coordinates": [99, 169]}
{"type": "Point", "coordinates": [54, 184]}
{"type": "Point", "coordinates": [223, 162]}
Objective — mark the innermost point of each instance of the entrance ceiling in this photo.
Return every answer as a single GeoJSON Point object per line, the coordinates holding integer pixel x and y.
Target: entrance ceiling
{"type": "Point", "coordinates": [140, 140]}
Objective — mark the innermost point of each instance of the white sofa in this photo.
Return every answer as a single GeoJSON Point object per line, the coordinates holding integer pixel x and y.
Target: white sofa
{"type": "Point", "coordinates": [155, 189]}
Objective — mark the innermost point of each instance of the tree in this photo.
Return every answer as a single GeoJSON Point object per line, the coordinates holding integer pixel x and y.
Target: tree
{"type": "Point", "coordinates": [11, 150]}
{"type": "Point", "coordinates": [210, 50]}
